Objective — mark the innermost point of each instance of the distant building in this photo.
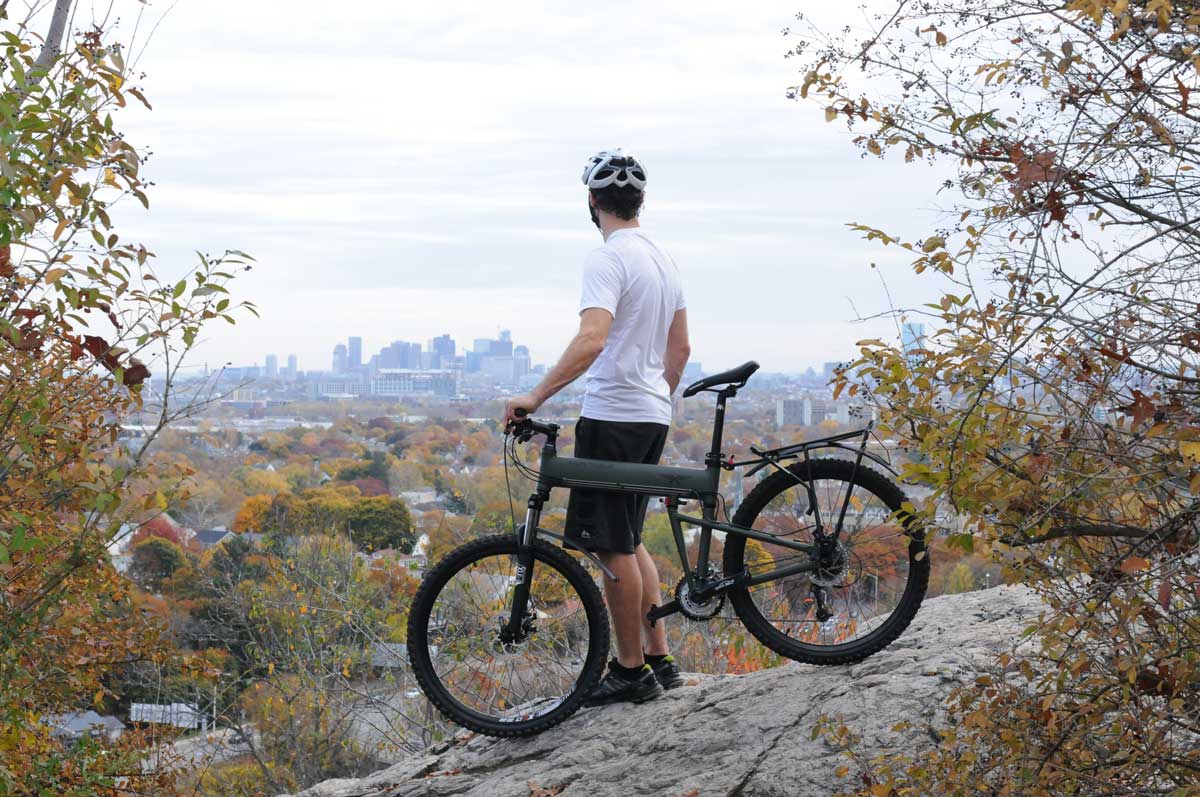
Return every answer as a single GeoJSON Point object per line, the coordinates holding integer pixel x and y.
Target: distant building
{"type": "Point", "coordinates": [343, 385]}
{"type": "Point", "coordinates": [404, 382]}
{"type": "Point", "coordinates": [829, 369]}
{"type": "Point", "coordinates": [341, 359]}
{"type": "Point", "coordinates": [912, 339]}
{"type": "Point", "coordinates": [501, 369]}
{"type": "Point", "coordinates": [793, 412]}
{"type": "Point", "coordinates": [210, 538]}
{"type": "Point", "coordinates": [443, 349]}
{"type": "Point", "coordinates": [180, 715]}
{"type": "Point", "coordinates": [521, 363]}
{"type": "Point", "coordinates": [830, 410]}
{"type": "Point", "coordinates": [389, 655]}
{"type": "Point", "coordinates": [74, 725]}
{"type": "Point", "coordinates": [293, 367]}
{"type": "Point", "coordinates": [272, 366]}
{"type": "Point", "coordinates": [355, 352]}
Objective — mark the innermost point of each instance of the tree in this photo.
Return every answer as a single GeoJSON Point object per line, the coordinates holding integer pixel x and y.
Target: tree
{"type": "Point", "coordinates": [380, 522]}
{"type": "Point", "coordinates": [154, 560]}
{"type": "Point", "coordinates": [960, 579]}
{"type": "Point", "coordinates": [1054, 405]}
{"type": "Point", "coordinates": [310, 626]}
{"type": "Point", "coordinates": [252, 516]}
{"type": "Point", "coordinates": [83, 320]}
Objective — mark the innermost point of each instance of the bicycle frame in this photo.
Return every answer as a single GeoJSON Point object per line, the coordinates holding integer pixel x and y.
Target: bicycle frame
{"type": "Point", "coordinates": [675, 486]}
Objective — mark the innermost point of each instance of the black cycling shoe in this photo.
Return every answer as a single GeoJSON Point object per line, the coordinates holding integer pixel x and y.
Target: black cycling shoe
{"type": "Point", "coordinates": [620, 687]}
{"type": "Point", "coordinates": [667, 672]}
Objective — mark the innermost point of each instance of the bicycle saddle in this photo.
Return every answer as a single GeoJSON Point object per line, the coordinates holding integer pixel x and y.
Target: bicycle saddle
{"type": "Point", "coordinates": [733, 376]}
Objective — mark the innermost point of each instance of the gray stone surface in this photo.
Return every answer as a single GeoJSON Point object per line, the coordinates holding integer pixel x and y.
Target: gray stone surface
{"type": "Point", "coordinates": [734, 736]}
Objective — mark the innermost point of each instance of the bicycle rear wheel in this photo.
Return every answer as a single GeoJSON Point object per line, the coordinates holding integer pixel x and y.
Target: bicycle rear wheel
{"type": "Point", "coordinates": [869, 591]}
{"type": "Point", "coordinates": [498, 688]}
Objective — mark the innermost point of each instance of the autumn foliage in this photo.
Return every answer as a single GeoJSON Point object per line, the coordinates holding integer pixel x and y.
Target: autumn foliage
{"type": "Point", "coordinates": [83, 321]}
{"type": "Point", "coordinates": [1055, 405]}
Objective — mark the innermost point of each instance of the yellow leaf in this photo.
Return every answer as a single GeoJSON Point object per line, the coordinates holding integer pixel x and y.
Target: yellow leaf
{"type": "Point", "coordinates": [1190, 449]}
{"type": "Point", "coordinates": [62, 225]}
{"type": "Point", "coordinates": [303, 609]}
{"type": "Point", "coordinates": [874, 148]}
{"type": "Point", "coordinates": [54, 275]}
{"type": "Point", "coordinates": [932, 243]}
{"type": "Point", "coordinates": [271, 668]}
{"type": "Point", "coordinates": [830, 114]}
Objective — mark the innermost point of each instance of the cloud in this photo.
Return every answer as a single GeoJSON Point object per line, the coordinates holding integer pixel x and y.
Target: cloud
{"type": "Point", "coordinates": [403, 169]}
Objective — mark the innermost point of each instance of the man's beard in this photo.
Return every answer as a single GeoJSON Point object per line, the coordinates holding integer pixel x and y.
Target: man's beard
{"type": "Point", "coordinates": [592, 213]}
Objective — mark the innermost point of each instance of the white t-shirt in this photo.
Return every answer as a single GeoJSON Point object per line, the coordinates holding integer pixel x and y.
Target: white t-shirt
{"type": "Point", "coordinates": [639, 284]}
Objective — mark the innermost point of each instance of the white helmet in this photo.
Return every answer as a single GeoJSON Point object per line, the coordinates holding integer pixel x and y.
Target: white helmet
{"type": "Point", "coordinates": [614, 167]}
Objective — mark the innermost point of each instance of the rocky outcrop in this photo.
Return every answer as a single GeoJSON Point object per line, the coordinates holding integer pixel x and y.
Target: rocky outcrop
{"type": "Point", "coordinates": [734, 736]}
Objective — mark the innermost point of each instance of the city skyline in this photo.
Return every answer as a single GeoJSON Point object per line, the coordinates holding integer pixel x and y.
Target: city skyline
{"type": "Point", "coordinates": [816, 366]}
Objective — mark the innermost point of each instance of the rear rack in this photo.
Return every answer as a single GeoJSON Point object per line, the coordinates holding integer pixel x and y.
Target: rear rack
{"type": "Point", "coordinates": [772, 456]}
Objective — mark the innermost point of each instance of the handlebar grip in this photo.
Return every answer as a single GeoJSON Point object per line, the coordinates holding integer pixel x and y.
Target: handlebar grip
{"type": "Point", "coordinates": [521, 412]}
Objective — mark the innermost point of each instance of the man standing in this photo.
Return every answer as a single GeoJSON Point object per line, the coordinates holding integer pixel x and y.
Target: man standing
{"type": "Point", "coordinates": [633, 345]}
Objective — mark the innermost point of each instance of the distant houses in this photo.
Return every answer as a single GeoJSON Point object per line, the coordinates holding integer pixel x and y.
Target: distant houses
{"type": "Point", "coordinates": [72, 725]}
{"type": "Point", "coordinates": [180, 715]}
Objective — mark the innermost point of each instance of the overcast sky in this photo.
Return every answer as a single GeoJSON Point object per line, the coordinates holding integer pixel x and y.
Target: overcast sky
{"type": "Point", "coordinates": [403, 169]}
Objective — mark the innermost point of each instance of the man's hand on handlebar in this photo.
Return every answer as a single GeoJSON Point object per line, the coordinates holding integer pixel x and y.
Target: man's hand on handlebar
{"type": "Point", "coordinates": [527, 404]}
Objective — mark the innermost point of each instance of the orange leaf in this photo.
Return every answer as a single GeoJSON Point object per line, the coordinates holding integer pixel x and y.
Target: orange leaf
{"type": "Point", "coordinates": [1135, 564]}
{"type": "Point", "coordinates": [1164, 594]}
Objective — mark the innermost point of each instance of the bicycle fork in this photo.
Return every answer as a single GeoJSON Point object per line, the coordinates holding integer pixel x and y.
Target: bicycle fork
{"type": "Point", "coordinates": [520, 621]}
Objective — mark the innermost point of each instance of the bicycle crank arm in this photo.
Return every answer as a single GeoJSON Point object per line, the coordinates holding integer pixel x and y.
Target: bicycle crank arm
{"type": "Point", "coordinates": [657, 612]}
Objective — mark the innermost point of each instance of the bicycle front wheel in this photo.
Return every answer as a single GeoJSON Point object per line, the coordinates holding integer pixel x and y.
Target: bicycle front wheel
{"type": "Point", "coordinates": [498, 687]}
{"type": "Point", "coordinates": [859, 600]}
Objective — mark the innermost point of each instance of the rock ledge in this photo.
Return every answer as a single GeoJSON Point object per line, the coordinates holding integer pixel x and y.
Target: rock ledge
{"type": "Point", "coordinates": [735, 736]}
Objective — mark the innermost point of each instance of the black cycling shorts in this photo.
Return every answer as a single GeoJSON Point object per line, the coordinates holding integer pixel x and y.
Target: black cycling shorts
{"type": "Point", "coordinates": [605, 521]}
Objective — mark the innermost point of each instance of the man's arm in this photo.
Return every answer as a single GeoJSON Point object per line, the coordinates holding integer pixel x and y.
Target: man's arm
{"type": "Point", "coordinates": [678, 350]}
{"type": "Point", "coordinates": [583, 350]}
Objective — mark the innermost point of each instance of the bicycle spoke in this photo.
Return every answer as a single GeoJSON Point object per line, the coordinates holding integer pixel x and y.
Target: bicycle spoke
{"type": "Point", "coordinates": [875, 549]}
{"type": "Point", "coordinates": [501, 681]}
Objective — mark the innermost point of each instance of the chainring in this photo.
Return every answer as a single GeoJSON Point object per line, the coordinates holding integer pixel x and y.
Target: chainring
{"type": "Point", "coordinates": [698, 611]}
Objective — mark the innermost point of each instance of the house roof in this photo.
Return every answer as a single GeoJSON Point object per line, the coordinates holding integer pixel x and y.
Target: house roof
{"type": "Point", "coordinates": [389, 654]}
{"type": "Point", "coordinates": [211, 536]}
{"type": "Point", "coordinates": [79, 722]}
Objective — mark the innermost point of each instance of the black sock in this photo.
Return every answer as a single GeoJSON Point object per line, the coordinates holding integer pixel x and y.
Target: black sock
{"type": "Point", "coordinates": [654, 658]}
{"type": "Point", "coordinates": [629, 672]}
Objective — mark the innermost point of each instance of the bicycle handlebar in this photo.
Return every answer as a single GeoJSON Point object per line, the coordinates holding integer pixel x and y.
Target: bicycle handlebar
{"type": "Point", "coordinates": [525, 428]}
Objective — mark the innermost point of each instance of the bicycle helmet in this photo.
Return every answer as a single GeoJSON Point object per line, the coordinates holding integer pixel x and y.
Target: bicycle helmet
{"type": "Point", "coordinates": [614, 167]}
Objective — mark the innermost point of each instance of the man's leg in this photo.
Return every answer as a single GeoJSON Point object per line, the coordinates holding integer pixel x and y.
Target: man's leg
{"type": "Point", "coordinates": [625, 600]}
{"type": "Point", "coordinates": [656, 636]}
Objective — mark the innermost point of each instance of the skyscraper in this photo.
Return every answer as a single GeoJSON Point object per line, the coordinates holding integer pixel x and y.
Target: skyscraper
{"type": "Point", "coordinates": [292, 366]}
{"type": "Point", "coordinates": [355, 352]}
{"type": "Point", "coordinates": [340, 359]}
{"type": "Point", "coordinates": [443, 348]}
{"type": "Point", "coordinates": [521, 364]}
{"type": "Point", "coordinates": [272, 366]}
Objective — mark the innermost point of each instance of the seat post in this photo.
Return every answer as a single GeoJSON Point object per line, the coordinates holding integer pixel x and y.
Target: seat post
{"type": "Point", "coordinates": [713, 458]}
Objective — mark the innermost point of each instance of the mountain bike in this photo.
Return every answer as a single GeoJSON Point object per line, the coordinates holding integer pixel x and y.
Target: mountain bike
{"type": "Point", "coordinates": [824, 562]}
